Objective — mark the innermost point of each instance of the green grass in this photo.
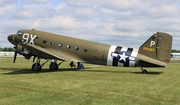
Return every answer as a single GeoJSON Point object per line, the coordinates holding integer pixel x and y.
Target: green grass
{"type": "Point", "coordinates": [94, 85]}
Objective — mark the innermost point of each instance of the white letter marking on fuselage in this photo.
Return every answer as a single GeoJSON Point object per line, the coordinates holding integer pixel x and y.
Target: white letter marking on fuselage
{"type": "Point", "coordinates": [26, 37]}
{"type": "Point", "coordinates": [32, 39]}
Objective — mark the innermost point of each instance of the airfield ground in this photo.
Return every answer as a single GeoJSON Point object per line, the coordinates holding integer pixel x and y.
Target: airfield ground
{"type": "Point", "coordinates": [94, 85]}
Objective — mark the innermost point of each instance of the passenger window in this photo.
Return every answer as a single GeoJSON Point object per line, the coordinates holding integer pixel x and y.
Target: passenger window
{"type": "Point", "coordinates": [52, 43]}
{"type": "Point", "coordinates": [68, 46]}
{"type": "Point", "coordinates": [85, 50]}
{"type": "Point", "coordinates": [44, 41]}
{"type": "Point", "coordinates": [76, 48]}
{"type": "Point", "coordinates": [60, 45]}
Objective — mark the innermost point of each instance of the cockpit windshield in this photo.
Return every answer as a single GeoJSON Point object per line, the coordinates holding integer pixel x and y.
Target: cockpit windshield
{"type": "Point", "coordinates": [19, 33]}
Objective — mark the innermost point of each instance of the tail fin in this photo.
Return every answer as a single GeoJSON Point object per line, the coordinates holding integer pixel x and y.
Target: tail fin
{"type": "Point", "coordinates": [158, 47]}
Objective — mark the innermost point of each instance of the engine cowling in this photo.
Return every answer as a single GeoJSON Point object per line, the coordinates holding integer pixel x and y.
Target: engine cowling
{"type": "Point", "coordinates": [22, 51]}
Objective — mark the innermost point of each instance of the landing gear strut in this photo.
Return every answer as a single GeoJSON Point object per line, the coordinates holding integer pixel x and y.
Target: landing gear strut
{"type": "Point", "coordinates": [54, 65]}
{"type": "Point", "coordinates": [37, 66]}
{"type": "Point", "coordinates": [144, 71]}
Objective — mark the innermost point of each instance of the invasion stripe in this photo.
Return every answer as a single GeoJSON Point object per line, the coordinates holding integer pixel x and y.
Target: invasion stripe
{"type": "Point", "coordinates": [115, 61]}
{"type": "Point", "coordinates": [118, 49]}
{"type": "Point", "coordinates": [129, 50]}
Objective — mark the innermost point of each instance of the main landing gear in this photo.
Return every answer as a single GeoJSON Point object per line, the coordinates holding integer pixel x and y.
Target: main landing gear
{"type": "Point", "coordinates": [144, 71]}
{"type": "Point", "coordinates": [37, 66]}
{"type": "Point", "coordinates": [54, 65]}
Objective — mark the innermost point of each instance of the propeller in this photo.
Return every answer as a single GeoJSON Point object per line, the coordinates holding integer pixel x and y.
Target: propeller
{"type": "Point", "coordinates": [18, 48]}
{"type": "Point", "coordinates": [15, 55]}
{"type": "Point", "coordinates": [15, 52]}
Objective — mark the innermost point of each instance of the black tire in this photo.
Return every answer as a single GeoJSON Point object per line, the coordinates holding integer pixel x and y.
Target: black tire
{"type": "Point", "coordinates": [53, 66]}
{"type": "Point", "coordinates": [144, 71]}
{"type": "Point", "coordinates": [36, 67]}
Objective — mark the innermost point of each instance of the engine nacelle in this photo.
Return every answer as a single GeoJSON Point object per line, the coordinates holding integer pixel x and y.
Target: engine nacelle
{"type": "Point", "coordinates": [22, 51]}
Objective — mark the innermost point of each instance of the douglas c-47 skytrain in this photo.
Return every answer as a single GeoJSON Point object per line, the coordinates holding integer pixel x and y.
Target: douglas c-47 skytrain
{"type": "Point", "coordinates": [155, 52]}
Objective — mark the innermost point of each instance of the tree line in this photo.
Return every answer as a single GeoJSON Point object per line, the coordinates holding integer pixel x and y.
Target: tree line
{"type": "Point", "coordinates": [7, 49]}
{"type": "Point", "coordinates": [175, 51]}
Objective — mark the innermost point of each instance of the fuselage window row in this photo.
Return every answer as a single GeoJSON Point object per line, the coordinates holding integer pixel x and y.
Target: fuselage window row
{"type": "Point", "coordinates": [68, 46]}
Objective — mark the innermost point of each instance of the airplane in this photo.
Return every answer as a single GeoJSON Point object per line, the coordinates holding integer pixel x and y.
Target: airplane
{"type": "Point", "coordinates": [155, 52]}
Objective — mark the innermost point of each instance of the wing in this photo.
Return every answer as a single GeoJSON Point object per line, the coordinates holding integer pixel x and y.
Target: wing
{"type": "Point", "coordinates": [49, 53]}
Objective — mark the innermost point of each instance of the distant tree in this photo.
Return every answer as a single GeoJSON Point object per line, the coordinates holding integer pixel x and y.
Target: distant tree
{"type": "Point", "coordinates": [1, 49]}
{"type": "Point", "coordinates": [7, 49]}
{"type": "Point", "coordinates": [175, 51]}
{"type": "Point", "coordinates": [10, 49]}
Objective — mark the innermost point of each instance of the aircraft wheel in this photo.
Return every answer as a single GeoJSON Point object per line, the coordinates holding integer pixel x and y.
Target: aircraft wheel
{"type": "Point", "coordinates": [144, 71]}
{"type": "Point", "coordinates": [53, 66]}
{"type": "Point", "coordinates": [36, 67]}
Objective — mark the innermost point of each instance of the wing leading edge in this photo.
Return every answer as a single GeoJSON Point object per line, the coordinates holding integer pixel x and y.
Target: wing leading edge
{"type": "Point", "coordinates": [50, 53]}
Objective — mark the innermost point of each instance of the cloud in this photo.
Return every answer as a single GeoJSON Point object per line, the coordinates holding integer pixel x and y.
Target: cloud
{"type": "Point", "coordinates": [6, 8]}
{"type": "Point", "coordinates": [60, 22]}
{"type": "Point", "coordinates": [129, 26]}
{"type": "Point", "coordinates": [115, 4]}
{"type": "Point", "coordinates": [113, 22]}
{"type": "Point", "coordinates": [9, 2]}
{"type": "Point", "coordinates": [37, 1]}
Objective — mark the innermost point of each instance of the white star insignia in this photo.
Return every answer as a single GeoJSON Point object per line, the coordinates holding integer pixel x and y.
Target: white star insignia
{"type": "Point", "coordinates": [123, 57]}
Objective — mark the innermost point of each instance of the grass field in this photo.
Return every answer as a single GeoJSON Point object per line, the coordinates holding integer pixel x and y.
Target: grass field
{"type": "Point", "coordinates": [94, 85]}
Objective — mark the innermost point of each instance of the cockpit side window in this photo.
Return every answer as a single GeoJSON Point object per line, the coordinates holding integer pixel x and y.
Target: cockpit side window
{"type": "Point", "coordinates": [19, 33]}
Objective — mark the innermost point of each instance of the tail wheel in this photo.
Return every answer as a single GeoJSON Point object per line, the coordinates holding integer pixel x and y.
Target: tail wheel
{"type": "Point", "coordinates": [144, 71]}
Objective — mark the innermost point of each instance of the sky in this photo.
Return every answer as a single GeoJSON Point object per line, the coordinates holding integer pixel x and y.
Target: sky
{"type": "Point", "coordinates": [117, 22]}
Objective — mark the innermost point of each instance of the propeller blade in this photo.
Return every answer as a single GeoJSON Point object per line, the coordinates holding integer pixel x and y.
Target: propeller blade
{"type": "Point", "coordinates": [15, 55]}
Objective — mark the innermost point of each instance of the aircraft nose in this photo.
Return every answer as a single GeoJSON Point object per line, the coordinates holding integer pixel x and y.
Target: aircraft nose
{"type": "Point", "coordinates": [11, 39]}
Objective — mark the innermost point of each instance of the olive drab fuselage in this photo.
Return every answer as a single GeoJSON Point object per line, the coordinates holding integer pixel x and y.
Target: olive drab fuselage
{"type": "Point", "coordinates": [47, 45]}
